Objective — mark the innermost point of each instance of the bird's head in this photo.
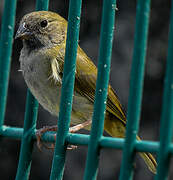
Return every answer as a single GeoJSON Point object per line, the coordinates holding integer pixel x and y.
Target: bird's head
{"type": "Point", "coordinates": [42, 29]}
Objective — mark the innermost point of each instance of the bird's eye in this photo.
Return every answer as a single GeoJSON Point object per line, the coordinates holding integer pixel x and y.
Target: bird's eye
{"type": "Point", "coordinates": [44, 23]}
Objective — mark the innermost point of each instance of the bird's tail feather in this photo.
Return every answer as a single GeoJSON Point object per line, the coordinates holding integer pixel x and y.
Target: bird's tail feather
{"type": "Point", "coordinates": [115, 128]}
{"type": "Point", "coordinates": [149, 160]}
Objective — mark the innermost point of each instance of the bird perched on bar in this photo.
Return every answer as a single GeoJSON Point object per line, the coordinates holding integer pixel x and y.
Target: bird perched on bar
{"type": "Point", "coordinates": [41, 61]}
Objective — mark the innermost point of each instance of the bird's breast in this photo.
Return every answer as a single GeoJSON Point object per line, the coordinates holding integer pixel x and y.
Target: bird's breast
{"type": "Point", "coordinates": [35, 68]}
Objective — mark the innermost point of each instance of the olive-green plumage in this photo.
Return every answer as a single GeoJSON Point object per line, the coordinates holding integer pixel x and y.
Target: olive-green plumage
{"type": "Point", "coordinates": [42, 59]}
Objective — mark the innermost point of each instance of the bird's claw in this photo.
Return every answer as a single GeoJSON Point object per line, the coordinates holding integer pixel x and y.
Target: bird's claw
{"type": "Point", "coordinates": [38, 137]}
{"type": "Point", "coordinates": [39, 134]}
{"type": "Point", "coordinates": [71, 147]}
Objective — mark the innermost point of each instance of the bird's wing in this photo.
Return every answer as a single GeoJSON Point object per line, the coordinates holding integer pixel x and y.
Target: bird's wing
{"type": "Point", "coordinates": [85, 84]}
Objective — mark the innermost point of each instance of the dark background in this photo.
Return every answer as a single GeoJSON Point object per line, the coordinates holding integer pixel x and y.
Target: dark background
{"type": "Point", "coordinates": [110, 159]}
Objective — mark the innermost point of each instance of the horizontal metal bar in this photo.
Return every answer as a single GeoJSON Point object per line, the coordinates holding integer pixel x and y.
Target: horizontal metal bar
{"type": "Point", "coordinates": [11, 132]}
{"type": "Point", "coordinates": [146, 146]}
{"type": "Point", "coordinates": [83, 139]}
{"type": "Point", "coordinates": [16, 133]}
{"type": "Point", "coordinates": [77, 139]}
{"type": "Point", "coordinates": [109, 142]}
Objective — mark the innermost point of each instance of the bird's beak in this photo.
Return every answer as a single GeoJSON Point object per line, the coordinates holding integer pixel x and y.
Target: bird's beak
{"type": "Point", "coordinates": [22, 32]}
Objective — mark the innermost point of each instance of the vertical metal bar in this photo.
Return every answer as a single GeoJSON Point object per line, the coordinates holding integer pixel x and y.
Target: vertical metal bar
{"type": "Point", "coordinates": [166, 127]}
{"type": "Point", "coordinates": [67, 89]}
{"type": "Point", "coordinates": [25, 157]}
{"type": "Point", "coordinates": [42, 5]}
{"type": "Point", "coordinates": [6, 41]}
{"type": "Point", "coordinates": [136, 87]}
{"type": "Point", "coordinates": [30, 119]}
{"type": "Point", "coordinates": [107, 28]}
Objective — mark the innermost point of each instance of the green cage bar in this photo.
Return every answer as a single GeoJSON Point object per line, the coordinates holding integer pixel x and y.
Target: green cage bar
{"type": "Point", "coordinates": [67, 89]}
{"type": "Point", "coordinates": [6, 40]}
{"type": "Point", "coordinates": [166, 126]}
{"type": "Point", "coordinates": [83, 139]}
{"type": "Point", "coordinates": [27, 135]}
{"type": "Point", "coordinates": [107, 28]}
{"type": "Point", "coordinates": [136, 87]}
{"type": "Point", "coordinates": [30, 119]}
{"type": "Point", "coordinates": [25, 157]}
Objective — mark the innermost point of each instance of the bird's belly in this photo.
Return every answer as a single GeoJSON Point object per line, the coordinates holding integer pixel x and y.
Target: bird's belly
{"type": "Point", "coordinates": [82, 109]}
{"type": "Point", "coordinates": [48, 98]}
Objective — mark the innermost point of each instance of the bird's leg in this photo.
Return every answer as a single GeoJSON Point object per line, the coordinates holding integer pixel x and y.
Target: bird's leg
{"type": "Point", "coordinates": [73, 129]}
{"type": "Point", "coordinates": [79, 126]}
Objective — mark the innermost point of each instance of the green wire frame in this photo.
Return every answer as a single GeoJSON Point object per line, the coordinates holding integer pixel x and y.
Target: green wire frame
{"type": "Point", "coordinates": [129, 145]}
{"type": "Point", "coordinates": [136, 87]}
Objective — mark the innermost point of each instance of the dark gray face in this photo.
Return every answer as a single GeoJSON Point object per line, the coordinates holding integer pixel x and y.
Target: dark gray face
{"type": "Point", "coordinates": [33, 31]}
{"type": "Point", "coordinates": [40, 29]}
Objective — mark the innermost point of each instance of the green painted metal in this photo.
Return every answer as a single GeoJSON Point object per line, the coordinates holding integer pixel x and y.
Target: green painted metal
{"type": "Point", "coordinates": [83, 139]}
{"type": "Point", "coordinates": [146, 146]}
{"type": "Point", "coordinates": [166, 127]}
{"type": "Point", "coordinates": [67, 89]}
{"type": "Point", "coordinates": [6, 40]}
{"type": "Point", "coordinates": [77, 139]}
{"type": "Point", "coordinates": [136, 87]}
{"type": "Point", "coordinates": [42, 5]}
{"type": "Point", "coordinates": [171, 148]}
{"type": "Point", "coordinates": [30, 119]}
{"type": "Point", "coordinates": [96, 140]}
{"type": "Point", "coordinates": [107, 28]}
{"type": "Point", "coordinates": [25, 157]}
{"type": "Point", "coordinates": [11, 132]}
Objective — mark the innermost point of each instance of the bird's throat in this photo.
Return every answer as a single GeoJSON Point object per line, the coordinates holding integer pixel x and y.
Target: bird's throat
{"type": "Point", "coordinates": [32, 44]}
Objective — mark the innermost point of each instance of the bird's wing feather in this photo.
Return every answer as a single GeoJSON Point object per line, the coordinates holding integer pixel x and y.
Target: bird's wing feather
{"type": "Point", "coordinates": [85, 84]}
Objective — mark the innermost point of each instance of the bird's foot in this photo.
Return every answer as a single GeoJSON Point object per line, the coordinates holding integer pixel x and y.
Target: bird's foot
{"type": "Point", "coordinates": [39, 134]}
{"type": "Point", "coordinates": [73, 129]}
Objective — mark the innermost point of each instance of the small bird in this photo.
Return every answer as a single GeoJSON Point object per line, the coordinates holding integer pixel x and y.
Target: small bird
{"type": "Point", "coordinates": [41, 61]}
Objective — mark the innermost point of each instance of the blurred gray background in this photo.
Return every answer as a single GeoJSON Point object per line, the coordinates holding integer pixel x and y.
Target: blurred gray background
{"type": "Point", "coordinates": [110, 159]}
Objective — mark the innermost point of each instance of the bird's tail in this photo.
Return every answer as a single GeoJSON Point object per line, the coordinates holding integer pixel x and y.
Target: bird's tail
{"type": "Point", "coordinates": [149, 160]}
{"type": "Point", "coordinates": [116, 128]}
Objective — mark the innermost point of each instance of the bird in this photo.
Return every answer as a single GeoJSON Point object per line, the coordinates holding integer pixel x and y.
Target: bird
{"type": "Point", "coordinates": [41, 62]}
